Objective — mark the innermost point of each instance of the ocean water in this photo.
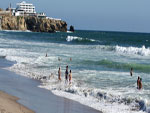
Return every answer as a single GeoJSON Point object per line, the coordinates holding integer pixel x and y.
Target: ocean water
{"type": "Point", "coordinates": [100, 65]}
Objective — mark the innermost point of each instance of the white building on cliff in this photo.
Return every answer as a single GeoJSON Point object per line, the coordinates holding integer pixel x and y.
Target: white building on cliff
{"type": "Point", "coordinates": [24, 8]}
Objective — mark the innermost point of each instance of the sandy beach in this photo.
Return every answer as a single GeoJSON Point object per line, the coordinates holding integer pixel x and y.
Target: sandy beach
{"type": "Point", "coordinates": [8, 104]}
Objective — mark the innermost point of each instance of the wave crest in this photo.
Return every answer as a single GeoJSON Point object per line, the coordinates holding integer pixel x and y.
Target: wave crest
{"type": "Point", "coordinates": [142, 51]}
{"type": "Point", "coordinates": [79, 39]}
{"type": "Point", "coordinates": [133, 50]}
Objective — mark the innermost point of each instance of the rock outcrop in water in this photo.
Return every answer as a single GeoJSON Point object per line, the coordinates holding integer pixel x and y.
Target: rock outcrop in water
{"type": "Point", "coordinates": [34, 24]}
{"type": "Point", "coordinates": [72, 28]}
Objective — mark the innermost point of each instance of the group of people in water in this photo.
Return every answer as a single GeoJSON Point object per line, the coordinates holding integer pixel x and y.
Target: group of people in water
{"type": "Point", "coordinates": [139, 80]}
{"type": "Point", "coordinates": [68, 75]}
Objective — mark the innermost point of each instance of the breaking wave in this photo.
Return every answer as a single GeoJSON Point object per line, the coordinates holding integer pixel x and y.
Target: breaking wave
{"type": "Point", "coordinates": [142, 51]}
{"type": "Point", "coordinates": [133, 50]}
{"type": "Point", "coordinates": [79, 39]}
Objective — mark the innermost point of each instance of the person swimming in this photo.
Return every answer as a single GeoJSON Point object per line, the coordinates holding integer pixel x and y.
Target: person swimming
{"type": "Point", "coordinates": [70, 77]}
{"type": "Point", "coordinates": [66, 74]}
{"type": "Point", "coordinates": [131, 71]}
{"type": "Point", "coordinates": [59, 74]}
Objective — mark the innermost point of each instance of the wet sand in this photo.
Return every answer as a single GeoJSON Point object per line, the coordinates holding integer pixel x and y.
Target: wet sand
{"type": "Point", "coordinates": [35, 98]}
{"type": "Point", "coordinates": [8, 104]}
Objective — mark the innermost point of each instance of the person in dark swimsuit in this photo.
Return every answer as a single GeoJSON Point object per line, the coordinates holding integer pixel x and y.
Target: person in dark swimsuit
{"type": "Point", "coordinates": [70, 77]}
{"type": "Point", "coordinates": [46, 55]}
{"type": "Point", "coordinates": [131, 71]}
{"type": "Point", "coordinates": [138, 82]}
{"type": "Point", "coordinates": [66, 74]}
{"type": "Point", "coordinates": [59, 74]}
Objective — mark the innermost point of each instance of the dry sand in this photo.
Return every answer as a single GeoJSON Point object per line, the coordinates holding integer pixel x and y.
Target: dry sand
{"type": "Point", "coordinates": [8, 104]}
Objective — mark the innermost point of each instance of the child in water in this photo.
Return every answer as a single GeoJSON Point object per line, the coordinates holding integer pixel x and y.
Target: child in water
{"type": "Point", "coordinates": [70, 77]}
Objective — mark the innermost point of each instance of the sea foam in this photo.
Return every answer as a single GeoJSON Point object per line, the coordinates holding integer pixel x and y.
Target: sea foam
{"type": "Point", "coordinates": [72, 38]}
{"type": "Point", "coordinates": [133, 50]}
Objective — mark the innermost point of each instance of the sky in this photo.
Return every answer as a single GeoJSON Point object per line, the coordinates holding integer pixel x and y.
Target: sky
{"type": "Point", "coordinates": [104, 15]}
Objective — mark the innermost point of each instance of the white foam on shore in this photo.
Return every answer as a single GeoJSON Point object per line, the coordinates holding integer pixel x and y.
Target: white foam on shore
{"type": "Point", "coordinates": [91, 99]}
{"type": "Point", "coordinates": [96, 104]}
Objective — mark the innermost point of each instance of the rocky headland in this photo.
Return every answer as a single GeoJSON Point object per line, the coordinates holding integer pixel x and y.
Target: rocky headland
{"type": "Point", "coordinates": [32, 23]}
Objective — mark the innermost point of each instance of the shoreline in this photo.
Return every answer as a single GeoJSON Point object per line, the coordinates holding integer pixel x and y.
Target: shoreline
{"type": "Point", "coordinates": [31, 96]}
{"type": "Point", "coordinates": [9, 104]}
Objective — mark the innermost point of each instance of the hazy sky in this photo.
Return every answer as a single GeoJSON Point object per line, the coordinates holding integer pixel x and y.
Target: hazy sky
{"type": "Point", "coordinates": [109, 15]}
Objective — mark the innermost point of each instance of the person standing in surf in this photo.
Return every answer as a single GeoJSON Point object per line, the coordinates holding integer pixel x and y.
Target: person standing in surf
{"type": "Point", "coordinates": [59, 74]}
{"type": "Point", "coordinates": [59, 59]}
{"type": "Point", "coordinates": [70, 77]}
{"type": "Point", "coordinates": [70, 59]}
{"type": "Point", "coordinates": [140, 84]}
{"type": "Point", "coordinates": [66, 75]}
{"type": "Point", "coordinates": [46, 55]}
{"type": "Point", "coordinates": [131, 71]}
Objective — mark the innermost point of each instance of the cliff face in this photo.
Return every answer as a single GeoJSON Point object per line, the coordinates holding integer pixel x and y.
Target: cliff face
{"type": "Point", "coordinates": [33, 24]}
{"type": "Point", "coordinates": [45, 25]}
{"type": "Point", "coordinates": [13, 23]}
